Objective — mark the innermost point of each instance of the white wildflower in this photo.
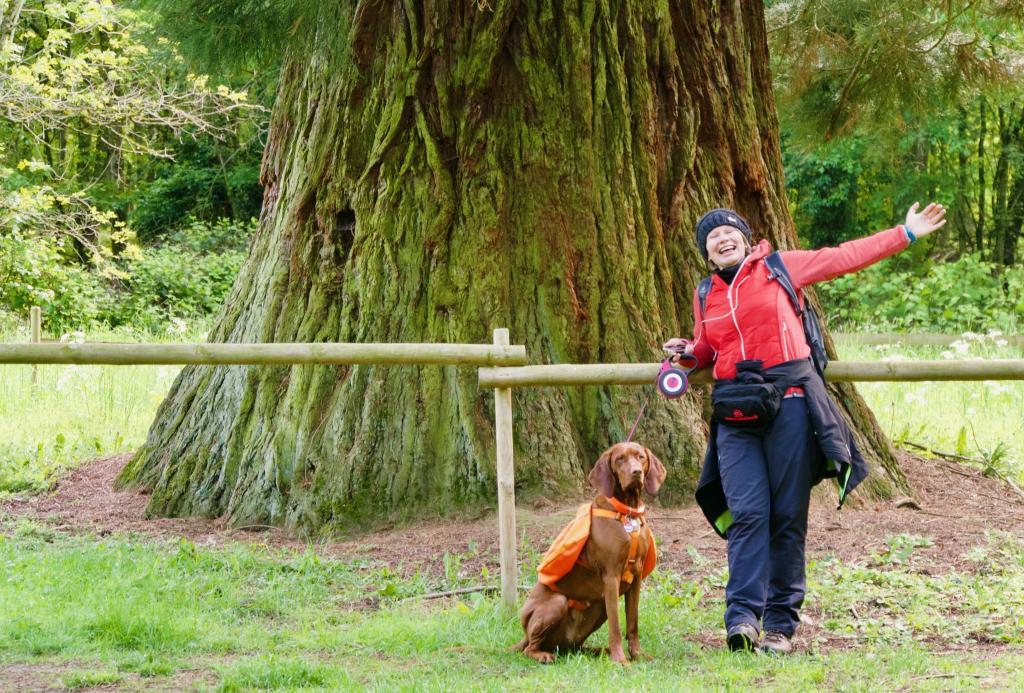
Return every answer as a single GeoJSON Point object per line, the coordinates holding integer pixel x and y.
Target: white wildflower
{"type": "Point", "coordinates": [76, 337]}
{"type": "Point", "coordinates": [177, 326]}
{"type": "Point", "coordinates": [69, 377]}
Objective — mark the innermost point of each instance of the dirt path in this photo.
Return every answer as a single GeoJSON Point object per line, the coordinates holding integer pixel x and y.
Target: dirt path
{"type": "Point", "coordinates": [957, 506]}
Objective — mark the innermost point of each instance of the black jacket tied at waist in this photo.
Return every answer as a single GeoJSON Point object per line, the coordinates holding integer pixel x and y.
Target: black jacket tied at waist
{"type": "Point", "coordinates": [838, 456]}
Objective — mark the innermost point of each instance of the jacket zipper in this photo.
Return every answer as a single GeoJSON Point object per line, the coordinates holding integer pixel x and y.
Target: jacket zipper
{"type": "Point", "coordinates": [732, 307]}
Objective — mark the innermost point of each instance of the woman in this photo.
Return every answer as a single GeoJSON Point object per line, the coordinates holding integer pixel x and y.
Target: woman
{"type": "Point", "coordinates": [755, 484]}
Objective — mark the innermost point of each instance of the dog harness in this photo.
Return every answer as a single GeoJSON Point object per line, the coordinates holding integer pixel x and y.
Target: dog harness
{"type": "Point", "coordinates": [566, 550]}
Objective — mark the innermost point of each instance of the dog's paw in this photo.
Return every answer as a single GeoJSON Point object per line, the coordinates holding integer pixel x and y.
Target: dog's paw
{"type": "Point", "coordinates": [542, 657]}
{"type": "Point", "coordinates": [639, 656]}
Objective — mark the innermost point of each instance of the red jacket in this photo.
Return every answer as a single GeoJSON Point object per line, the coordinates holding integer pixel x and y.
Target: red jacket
{"type": "Point", "coordinates": [754, 319]}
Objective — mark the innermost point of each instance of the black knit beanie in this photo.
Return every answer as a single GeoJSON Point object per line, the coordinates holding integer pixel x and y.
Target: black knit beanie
{"type": "Point", "coordinates": [719, 217]}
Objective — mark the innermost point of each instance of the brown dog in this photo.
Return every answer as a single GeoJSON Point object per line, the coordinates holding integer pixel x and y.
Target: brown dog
{"type": "Point", "coordinates": [561, 616]}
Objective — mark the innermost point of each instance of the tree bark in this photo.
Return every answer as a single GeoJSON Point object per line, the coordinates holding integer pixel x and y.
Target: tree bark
{"type": "Point", "coordinates": [961, 218]}
{"type": "Point", "coordinates": [10, 13]}
{"type": "Point", "coordinates": [449, 168]}
{"type": "Point", "coordinates": [979, 228]}
{"type": "Point", "coordinates": [1000, 189]}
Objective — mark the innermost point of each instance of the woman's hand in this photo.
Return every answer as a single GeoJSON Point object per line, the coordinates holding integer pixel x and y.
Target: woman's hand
{"type": "Point", "coordinates": [929, 219]}
{"type": "Point", "coordinates": [678, 346]}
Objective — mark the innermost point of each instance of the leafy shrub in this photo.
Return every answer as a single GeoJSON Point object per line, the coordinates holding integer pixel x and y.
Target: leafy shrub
{"type": "Point", "coordinates": [187, 276]}
{"type": "Point", "coordinates": [197, 187]}
{"type": "Point", "coordinates": [33, 273]}
{"type": "Point", "coordinates": [955, 296]}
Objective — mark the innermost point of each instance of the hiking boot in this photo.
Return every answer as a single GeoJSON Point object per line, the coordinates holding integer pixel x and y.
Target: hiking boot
{"type": "Point", "coordinates": [776, 643]}
{"type": "Point", "coordinates": [742, 638]}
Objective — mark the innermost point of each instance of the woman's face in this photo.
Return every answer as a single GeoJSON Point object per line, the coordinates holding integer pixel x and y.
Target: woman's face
{"type": "Point", "coordinates": [726, 246]}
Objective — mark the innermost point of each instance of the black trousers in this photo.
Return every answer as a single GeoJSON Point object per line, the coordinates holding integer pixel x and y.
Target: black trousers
{"type": "Point", "coordinates": [766, 477]}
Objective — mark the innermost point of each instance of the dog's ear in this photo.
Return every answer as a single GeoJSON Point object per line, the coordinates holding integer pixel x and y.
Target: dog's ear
{"type": "Point", "coordinates": [655, 473]}
{"type": "Point", "coordinates": [601, 477]}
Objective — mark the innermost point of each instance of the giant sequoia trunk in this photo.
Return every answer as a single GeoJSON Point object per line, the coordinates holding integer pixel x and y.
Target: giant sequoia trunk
{"type": "Point", "coordinates": [434, 171]}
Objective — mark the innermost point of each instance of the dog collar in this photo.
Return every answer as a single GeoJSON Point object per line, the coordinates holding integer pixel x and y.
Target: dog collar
{"type": "Point", "coordinates": [626, 510]}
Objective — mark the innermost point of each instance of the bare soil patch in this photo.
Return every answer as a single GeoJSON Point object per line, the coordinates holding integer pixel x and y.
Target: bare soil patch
{"type": "Point", "coordinates": [958, 505]}
{"type": "Point", "coordinates": [44, 676]}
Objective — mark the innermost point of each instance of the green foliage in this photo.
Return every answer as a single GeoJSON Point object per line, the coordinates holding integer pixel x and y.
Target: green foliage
{"type": "Point", "coordinates": [33, 273]}
{"type": "Point", "coordinates": [197, 185]}
{"type": "Point", "coordinates": [824, 186]}
{"type": "Point", "coordinates": [899, 548]}
{"type": "Point", "coordinates": [967, 294]}
{"type": "Point", "coordinates": [93, 104]}
{"type": "Point", "coordinates": [188, 276]}
{"type": "Point", "coordinates": [875, 67]}
{"type": "Point", "coordinates": [90, 679]}
{"type": "Point", "coordinates": [272, 673]}
{"type": "Point", "coordinates": [870, 128]}
{"type": "Point", "coordinates": [980, 420]}
{"type": "Point", "coordinates": [75, 413]}
{"type": "Point", "coordinates": [237, 34]}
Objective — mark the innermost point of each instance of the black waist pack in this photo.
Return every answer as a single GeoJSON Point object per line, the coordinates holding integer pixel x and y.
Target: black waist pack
{"type": "Point", "coordinates": [746, 401]}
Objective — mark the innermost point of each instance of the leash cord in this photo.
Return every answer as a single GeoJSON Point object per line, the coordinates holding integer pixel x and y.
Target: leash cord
{"type": "Point", "coordinates": [639, 416]}
{"type": "Point", "coordinates": [647, 401]}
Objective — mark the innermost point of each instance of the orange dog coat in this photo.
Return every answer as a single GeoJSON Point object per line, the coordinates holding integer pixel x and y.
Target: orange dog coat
{"type": "Point", "coordinates": [565, 550]}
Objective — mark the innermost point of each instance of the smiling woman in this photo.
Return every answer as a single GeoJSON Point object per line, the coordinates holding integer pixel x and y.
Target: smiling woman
{"type": "Point", "coordinates": [775, 432]}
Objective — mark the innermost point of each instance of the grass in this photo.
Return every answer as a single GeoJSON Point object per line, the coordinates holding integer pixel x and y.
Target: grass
{"type": "Point", "coordinates": [981, 420]}
{"type": "Point", "coordinates": [264, 619]}
{"type": "Point", "coordinates": [76, 413]}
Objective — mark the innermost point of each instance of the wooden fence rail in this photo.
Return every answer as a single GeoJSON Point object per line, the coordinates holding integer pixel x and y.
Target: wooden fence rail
{"type": "Point", "coordinates": [265, 354]}
{"type": "Point", "coordinates": [837, 371]}
{"type": "Point", "coordinates": [917, 338]}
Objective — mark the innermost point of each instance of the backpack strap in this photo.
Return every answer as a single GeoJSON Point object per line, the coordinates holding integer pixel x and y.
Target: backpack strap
{"type": "Point", "coordinates": [703, 289]}
{"type": "Point", "coordinates": [805, 311]}
{"type": "Point", "coordinates": [777, 271]}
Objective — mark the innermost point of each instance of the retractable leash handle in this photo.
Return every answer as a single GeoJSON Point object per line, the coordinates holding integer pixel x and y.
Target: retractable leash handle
{"type": "Point", "coordinates": [673, 382]}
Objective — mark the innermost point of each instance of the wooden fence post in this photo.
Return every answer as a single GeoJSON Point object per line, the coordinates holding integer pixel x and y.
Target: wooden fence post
{"type": "Point", "coordinates": [35, 324]}
{"type": "Point", "coordinates": [506, 485]}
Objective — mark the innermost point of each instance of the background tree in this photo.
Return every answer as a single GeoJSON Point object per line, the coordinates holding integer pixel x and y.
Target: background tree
{"type": "Point", "coordinates": [102, 124]}
{"type": "Point", "coordinates": [434, 171]}
{"type": "Point", "coordinates": [885, 103]}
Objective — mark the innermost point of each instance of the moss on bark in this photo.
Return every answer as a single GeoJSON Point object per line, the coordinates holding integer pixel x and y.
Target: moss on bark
{"type": "Point", "coordinates": [437, 170]}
